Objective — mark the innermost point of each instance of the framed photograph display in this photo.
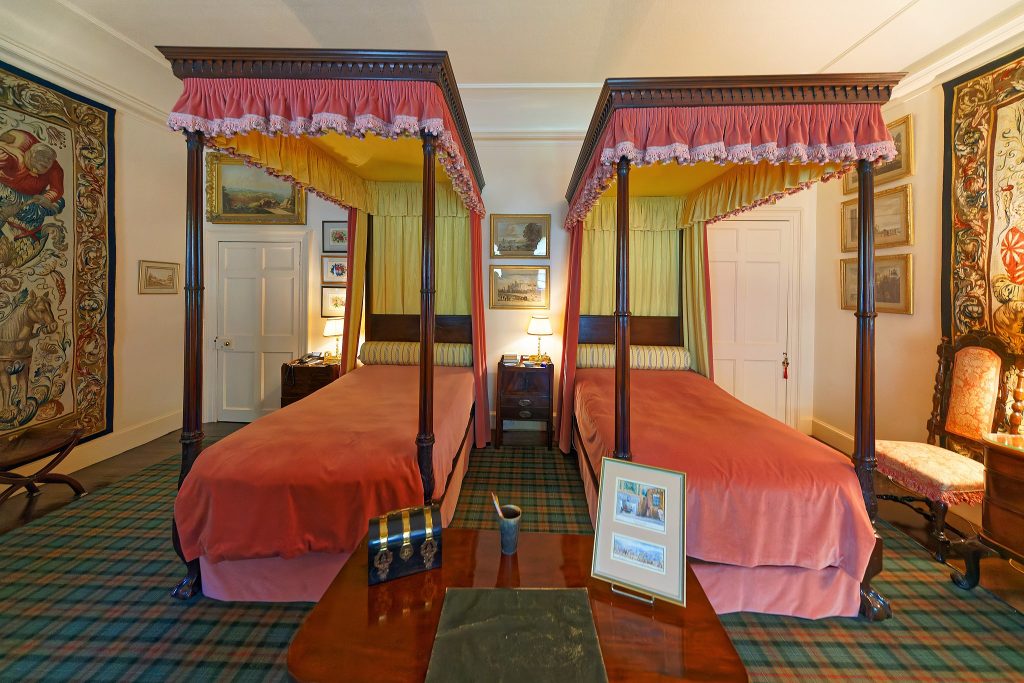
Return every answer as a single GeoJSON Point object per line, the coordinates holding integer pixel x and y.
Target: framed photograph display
{"type": "Point", "coordinates": [334, 270]}
{"type": "Point", "coordinates": [902, 131]}
{"type": "Point", "coordinates": [240, 194]}
{"type": "Point", "coordinates": [894, 283]}
{"type": "Point", "coordinates": [520, 287]}
{"type": "Point", "coordinates": [640, 536]}
{"type": "Point", "coordinates": [335, 237]}
{"type": "Point", "coordinates": [894, 220]}
{"type": "Point", "coordinates": [158, 277]}
{"type": "Point", "coordinates": [332, 302]}
{"type": "Point", "coordinates": [520, 236]}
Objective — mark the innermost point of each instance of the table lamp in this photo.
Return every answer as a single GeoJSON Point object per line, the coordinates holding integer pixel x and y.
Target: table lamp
{"type": "Point", "coordinates": [540, 326]}
{"type": "Point", "coordinates": [335, 327]}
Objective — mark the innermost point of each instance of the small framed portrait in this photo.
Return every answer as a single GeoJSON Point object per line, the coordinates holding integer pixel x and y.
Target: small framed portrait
{"type": "Point", "coordinates": [520, 236]}
{"type": "Point", "coordinates": [520, 287]}
{"type": "Point", "coordinates": [640, 536]}
{"type": "Point", "coordinates": [332, 302]}
{"type": "Point", "coordinates": [894, 220]}
{"type": "Point", "coordinates": [334, 270]}
{"type": "Point", "coordinates": [902, 131]}
{"type": "Point", "coordinates": [240, 194]}
{"type": "Point", "coordinates": [158, 277]}
{"type": "Point", "coordinates": [335, 238]}
{"type": "Point", "coordinates": [894, 283]}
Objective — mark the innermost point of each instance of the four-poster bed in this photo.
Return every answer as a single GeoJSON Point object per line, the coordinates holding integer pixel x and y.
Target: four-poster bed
{"type": "Point", "coordinates": [337, 123]}
{"type": "Point", "coordinates": [784, 524]}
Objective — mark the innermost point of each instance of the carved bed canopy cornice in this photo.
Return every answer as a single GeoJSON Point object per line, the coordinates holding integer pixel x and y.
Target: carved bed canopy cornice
{"type": "Point", "coordinates": [624, 93]}
{"type": "Point", "coordinates": [432, 66]}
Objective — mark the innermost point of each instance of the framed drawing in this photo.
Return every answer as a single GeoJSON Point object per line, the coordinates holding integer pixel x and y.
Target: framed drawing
{"type": "Point", "coordinates": [894, 220]}
{"type": "Point", "coordinates": [520, 287]}
{"type": "Point", "coordinates": [334, 270]}
{"type": "Point", "coordinates": [335, 238]}
{"type": "Point", "coordinates": [902, 131]}
{"type": "Point", "coordinates": [158, 277]}
{"type": "Point", "coordinates": [894, 283]}
{"type": "Point", "coordinates": [240, 194]}
{"type": "Point", "coordinates": [332, 302]}
{"type": "Point", "coordinates": [640, 537]}
{"type": "Point", "coordinates": [520, 235]}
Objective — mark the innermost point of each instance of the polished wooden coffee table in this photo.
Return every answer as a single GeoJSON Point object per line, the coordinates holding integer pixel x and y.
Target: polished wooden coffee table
{"type": "Point", "coordinates": [386, 632]}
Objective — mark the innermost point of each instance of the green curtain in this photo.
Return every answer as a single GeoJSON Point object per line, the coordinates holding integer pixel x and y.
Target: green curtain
{"type": "Point", "coordinates": [397, 248]}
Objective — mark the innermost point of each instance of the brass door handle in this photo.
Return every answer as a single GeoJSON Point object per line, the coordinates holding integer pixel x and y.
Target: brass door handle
{"type": "Point", "coordinates": [525, 413]}
{"type": "Point", "coordinates": [525, 402]}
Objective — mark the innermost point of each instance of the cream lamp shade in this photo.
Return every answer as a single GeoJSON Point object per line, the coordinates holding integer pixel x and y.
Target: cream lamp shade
{"type": "Point", "coordinates": [335, 327]}
{"type": "Point", "coordinates": [539, 327]}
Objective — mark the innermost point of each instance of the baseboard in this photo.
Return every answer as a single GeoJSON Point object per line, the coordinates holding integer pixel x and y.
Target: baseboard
{"type": "Point", "coordinates": [833, 436]}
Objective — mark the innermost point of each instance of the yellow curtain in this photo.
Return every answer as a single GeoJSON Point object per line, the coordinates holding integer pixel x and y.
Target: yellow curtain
{"type": "Point", "coordinates": [397, 208]}
{"type": "Point", "coordinates": [653, 257]}
{"type": "Point", "coordinates": [356, 285]}
{"type": "Point", "coordinates": [695, 314]}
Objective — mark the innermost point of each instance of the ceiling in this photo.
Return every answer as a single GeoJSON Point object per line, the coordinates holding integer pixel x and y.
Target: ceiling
{"type": "Point", "coordinates": [574, 41]}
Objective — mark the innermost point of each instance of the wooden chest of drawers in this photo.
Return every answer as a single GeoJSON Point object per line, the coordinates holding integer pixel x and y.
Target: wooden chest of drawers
{"type": "Point", "coordinates": [299, 381]}
{"type": "Point", "coordinates": [1002, 513]}
{"type": "Point", "coordinates": [524, 394]}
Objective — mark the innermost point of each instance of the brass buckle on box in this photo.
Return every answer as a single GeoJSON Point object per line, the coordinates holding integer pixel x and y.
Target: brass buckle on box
{"type": "Point", "coordinates": [429, 548]}
{"type": "Point", "coordinates": [382, 562]}
{"type": "Point", "coordinates": [406, 552]}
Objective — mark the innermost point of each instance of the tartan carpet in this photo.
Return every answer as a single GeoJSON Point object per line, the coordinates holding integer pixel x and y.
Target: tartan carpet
{"type": "Point", "coordinates": [84, 597]}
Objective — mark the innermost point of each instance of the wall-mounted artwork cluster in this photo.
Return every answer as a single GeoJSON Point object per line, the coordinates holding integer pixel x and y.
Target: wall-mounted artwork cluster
{"type": "Point", "coordinates": [894, 227]}
{"type": "Point", "coordinates": [514, 237]}
{"type": "Point", "coordinates": [334, 268]}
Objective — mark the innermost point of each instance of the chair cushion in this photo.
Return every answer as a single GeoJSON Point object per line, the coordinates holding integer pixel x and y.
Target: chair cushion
{"type": "Point", "coordinates": [931, 471]}
{"type": "Point", "coordinates": [973, 392]}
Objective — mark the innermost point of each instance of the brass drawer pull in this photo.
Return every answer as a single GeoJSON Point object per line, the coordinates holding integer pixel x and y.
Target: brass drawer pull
{"type": "Point", "coordinates": [525, 402]}
{"type": "Point", "coordinates": [525, 413]}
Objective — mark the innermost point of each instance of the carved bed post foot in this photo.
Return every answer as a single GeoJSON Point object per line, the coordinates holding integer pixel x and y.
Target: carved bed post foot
{"type": "Point", "coordinates": [873, 605]}
{"type": "Point", "coordinates": [191, 585]}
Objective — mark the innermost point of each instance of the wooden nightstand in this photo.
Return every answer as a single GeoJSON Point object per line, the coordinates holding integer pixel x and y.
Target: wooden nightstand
{"type": "Point", "coordinates": [299, 381]}
{"type": "Point", "coordinates": [524, 394]}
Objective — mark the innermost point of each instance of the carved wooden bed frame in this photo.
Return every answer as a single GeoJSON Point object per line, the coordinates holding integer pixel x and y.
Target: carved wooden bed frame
{"type": "Point", "coordinates": [315, 64]}
{"type": "Point", "coordinates": [621, 93]}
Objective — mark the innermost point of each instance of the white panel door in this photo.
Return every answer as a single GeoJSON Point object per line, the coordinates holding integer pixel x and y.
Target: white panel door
{"type": "Point", "coordinates": [751, 264]}
{"type": "Point", "coordinates": [258, 324]}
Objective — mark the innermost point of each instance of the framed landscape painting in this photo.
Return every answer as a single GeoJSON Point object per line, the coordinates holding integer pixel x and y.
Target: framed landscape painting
{"type": "Point", "coordinates": [335, 237]}
{"type": "Point", "coordinates": [332, 302]}
{"type": "Point", "coordinates": [520, 235]}
{"type": "Point", "coordinates": [894, 283]}
{"type": "Point", "coordinates": [894, 220]}
{"type": "Point", "coordinates": [334, 270]}
{"type": "Point", "coordinates": [158, 277]}
{"type": "Point", "coordinates": [520, 287]}
{"type": "Point", "coordinates": [902, 131]}
{"type": "Point", "coordinates": [240, 194]}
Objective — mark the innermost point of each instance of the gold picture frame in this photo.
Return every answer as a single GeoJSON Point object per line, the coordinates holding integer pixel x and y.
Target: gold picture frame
{"type": "Point", "coordinates": [894, 283]}
{"type": "Point", "coordinates": [258, 198]}
{"type": "Point", "coordinates": [515, 236]}
{"type": "Point", "coordinates": [894, 220]}
{"type": "Point", "coordinates": [158, 277]}
{"type": "Point", "coordinates": [520, 287]}
{"type": "Point", "coordinates": [902, 131]}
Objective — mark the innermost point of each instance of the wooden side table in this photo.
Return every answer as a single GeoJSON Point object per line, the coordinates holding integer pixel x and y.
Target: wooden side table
{"type": "Point", "coordinates": [526, 394]}
{"type": "Point", "coordinates": [299, 381]}
{"type": "Point", "coordinates": [35, 444]}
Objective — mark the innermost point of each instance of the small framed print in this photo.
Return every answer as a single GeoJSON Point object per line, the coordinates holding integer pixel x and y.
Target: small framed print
{"type": "Point", "coordinates": [335, 237]}
{"type": "Point", "coordinates": [902, 132]}
{"type": "Point", "coordinates": [332, 302]}
{"type": "Point", "coordinates": [520, 236]}
{"type": "Point", "coordinates": [334, 270]}
{"type": "Point", "coordinates": [158, 277]}
{"type": "Point", "coordinates": [520, 287]}
{"type": "Point", "coordinates": [640, 536]}
{"type": "Point", "coordinates": [894, 283]}
{"type": "Point", "coordinates": [894, 220]}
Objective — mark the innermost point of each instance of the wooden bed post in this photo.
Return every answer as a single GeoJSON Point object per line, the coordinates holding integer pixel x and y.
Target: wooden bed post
{"type": "Point", "coordinates": [425, 436]}
{"type": "Point", "coordinates": [192, 397]}
{"type": "Point", "coordinates": [622, 311]}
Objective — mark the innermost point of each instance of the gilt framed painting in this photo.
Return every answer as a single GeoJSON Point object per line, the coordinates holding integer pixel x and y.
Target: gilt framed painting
{"type": "Point", "coordinates": [520, 287]}
{"type": "Point", "coordinates": [894, 283]}
{"type": "Point", "coordinates": [640, 535]}
{"type": "Point", "coordinates": [247, 195]}
{"type": "Point", "coordinates": [158, 277]}
{"type": "Point", "coordinates": [902, 131]}
{"type": "Point", "coordinates": [894, 220]}
{"type": "Point", "coordinates": [520, 236]}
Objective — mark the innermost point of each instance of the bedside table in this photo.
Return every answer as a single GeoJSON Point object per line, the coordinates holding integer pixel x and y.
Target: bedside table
{"type": "Point", "coordinates": [524, 394]}
{"type": "Point", "coordinates": [299, 381]}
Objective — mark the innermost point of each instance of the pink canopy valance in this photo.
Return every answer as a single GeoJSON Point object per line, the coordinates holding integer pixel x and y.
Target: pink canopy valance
{"type": "Point", "coordinates": [308, 107]}
{"type": "Point", "coordinates": [794, 133]}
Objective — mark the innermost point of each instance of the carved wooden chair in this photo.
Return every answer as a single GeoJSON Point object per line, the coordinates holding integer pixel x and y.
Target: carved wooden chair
{"type": "Point", "coordinates": [969, 401]}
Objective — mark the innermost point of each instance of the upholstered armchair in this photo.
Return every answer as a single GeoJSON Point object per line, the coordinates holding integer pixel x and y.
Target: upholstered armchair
{"type": "Point", "coordinates": [969, 401]}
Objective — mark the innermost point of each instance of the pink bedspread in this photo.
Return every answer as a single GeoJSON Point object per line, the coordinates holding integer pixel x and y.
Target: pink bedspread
{"type": "Point", "coordinates": [758, 492]}
{"type": "Point", "coordinates": [308, 478]}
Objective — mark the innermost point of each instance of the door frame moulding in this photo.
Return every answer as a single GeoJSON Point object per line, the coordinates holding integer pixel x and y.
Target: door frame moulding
{"type": "Point", "coordinates": [213, 237]}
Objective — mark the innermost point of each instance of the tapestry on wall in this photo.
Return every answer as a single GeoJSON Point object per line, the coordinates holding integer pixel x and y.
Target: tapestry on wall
{"type": "Point", "coordinates": [983, 202]}
{"type": "Point", "coordinates": [56, 257]}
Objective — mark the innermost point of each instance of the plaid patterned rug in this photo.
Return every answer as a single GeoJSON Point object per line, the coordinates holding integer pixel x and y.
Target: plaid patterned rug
{"type": "Point", "coordinates": [84, 597]}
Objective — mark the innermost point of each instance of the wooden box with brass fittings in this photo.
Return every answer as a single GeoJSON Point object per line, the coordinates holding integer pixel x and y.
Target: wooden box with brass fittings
{"type": "Point", "coordinates": [404, 542]}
